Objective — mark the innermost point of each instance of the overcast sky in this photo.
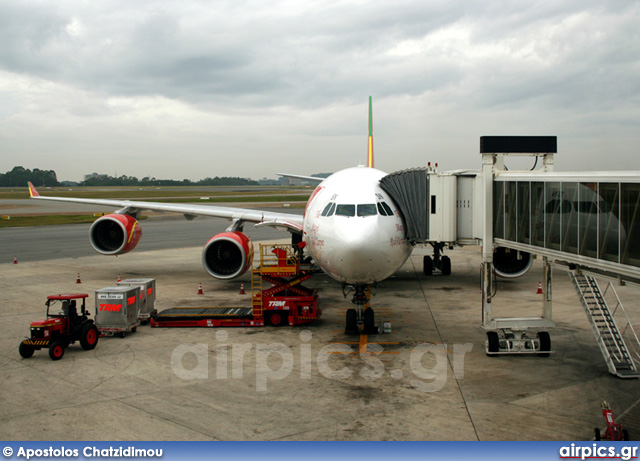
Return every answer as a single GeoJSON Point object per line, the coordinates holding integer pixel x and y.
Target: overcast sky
{"type": "Point", "coordinates": [190, 89]}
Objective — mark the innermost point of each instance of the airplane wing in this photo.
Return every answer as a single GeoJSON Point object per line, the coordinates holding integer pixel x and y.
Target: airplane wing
{"type": "Point", "coordinates": [290, 222]}
{"type": "Point", "coordinates": [298, 176]}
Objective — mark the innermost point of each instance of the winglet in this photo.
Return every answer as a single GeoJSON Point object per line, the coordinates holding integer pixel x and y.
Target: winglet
{"type": "Point", "coordinates": [32, 191]}
{"type": "Point", "coordinates": [370, 151]}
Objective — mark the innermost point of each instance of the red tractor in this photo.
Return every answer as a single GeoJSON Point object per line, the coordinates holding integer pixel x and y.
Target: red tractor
{"type": "Point", "coordinates": [65, 324]}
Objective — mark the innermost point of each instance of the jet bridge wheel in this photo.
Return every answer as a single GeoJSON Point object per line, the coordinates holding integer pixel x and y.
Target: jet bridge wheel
{"type": "Point", "coordinates": [445, 265]}
{"type": "Point", "coordinates": [545, 344]}
{"type": "Point", "coordinates": [427, 265]}
{"type": "Point", "coordinates": [493, 343]}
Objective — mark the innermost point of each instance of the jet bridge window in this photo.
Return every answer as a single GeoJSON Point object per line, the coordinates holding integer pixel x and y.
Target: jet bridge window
{"type": "Point", "coordinates": [384, 209]}
{"type": "Point", "coordinates": [346, 210]}
{"type": "Point", "coordinates": [368, 209]}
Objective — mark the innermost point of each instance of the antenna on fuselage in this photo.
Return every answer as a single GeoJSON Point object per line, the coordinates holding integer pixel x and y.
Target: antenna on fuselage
{"type": "Point", "coordinates": [370, 151]}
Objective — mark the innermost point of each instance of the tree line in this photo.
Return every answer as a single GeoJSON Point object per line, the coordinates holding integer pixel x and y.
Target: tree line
{"type": "Point", "coordinates": [19, 176]}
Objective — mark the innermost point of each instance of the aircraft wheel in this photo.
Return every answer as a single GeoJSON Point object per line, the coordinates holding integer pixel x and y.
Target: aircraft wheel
{"type": "Point", "coordinates": [493, 343]}
{"type": "Point", "coordinates": [369, 327]}
{"type": "Point", "coordinates": [352, 323]}
{"type": "Point", "coordinates": [427, 265]}
{"type": "Point", "coordinates": [445, 263]}
{"type": "Point", "coordinates": [545, 344]}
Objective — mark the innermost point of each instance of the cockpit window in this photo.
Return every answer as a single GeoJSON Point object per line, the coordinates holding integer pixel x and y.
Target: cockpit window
{"type": "Point", "coordinates": [384, 209]}
{"type": "Point", "coordinates": [345, 210]}
{"type": "Point", "coordinates": [327, 209]}
{"type": "Point", "coordinates": [368, 209]}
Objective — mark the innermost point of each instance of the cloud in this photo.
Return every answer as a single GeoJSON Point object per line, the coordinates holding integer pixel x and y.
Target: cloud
{"type": "Point", "coordinates": [142, 83]}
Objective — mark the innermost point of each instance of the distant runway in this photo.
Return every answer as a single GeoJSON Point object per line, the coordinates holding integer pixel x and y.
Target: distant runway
{"type": "Point", "coordinates": [40, 243]}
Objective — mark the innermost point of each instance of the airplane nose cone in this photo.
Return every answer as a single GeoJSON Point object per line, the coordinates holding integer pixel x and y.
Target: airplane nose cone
{"type": "Point", "coordinates": [359, 263]}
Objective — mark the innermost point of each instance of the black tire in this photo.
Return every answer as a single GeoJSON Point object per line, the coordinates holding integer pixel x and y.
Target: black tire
{"type": "Point", "coordinates": [134, 329]}
{"type": "Point", "coordinates": [122, 334]}
{"type": "Point", "coordinates": [26, 351]}
{"type": "Point", "coordinates": [493, 343]}
{"type": "Point", "coordinates": [352, 323]}
{"type": "Point", "coordinates": [368, 327]}
{"type": "Point", "coordinates": [278, 318]}
{"type": "Point", "coordinates": [89, 337]}
{"type": "Point", "coordinates": [625, 435]}
{"type": "Point", "coordinates": [545, 344]}
{"type": "Point", "coordinates": [445, 265]}
{"type": "Point", "coordinates": [427, 265]}
{"type": "Point", "coordinates": [596, 434]}
{"type": "Point", "coordinates": [56, 350]}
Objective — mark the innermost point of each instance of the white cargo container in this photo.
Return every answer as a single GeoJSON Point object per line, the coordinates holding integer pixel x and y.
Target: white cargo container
{"type": "Point", "coordinates": [147, 296]}
{"type": "Point", "coordinates": [117, 310]}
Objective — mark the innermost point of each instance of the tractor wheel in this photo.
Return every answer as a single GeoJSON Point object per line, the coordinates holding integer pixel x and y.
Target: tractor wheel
{"type": "Point", "coordinates": [427, 265]}
{"type": "Point", "coordinates": [445, 265]}
{"type": "Point", "coordinates": [352, 323]}
{"type": "Point", "coordinates": [89, 337]}
{"type": "Point", "coordinates": [493, 343]}
{"type": "Point", "coordinates": [25, 350]}
{"type": "Point", "coordinates": [278, 319]}
{"type": "Point", "coordinates": [56, 350]}
{"type": "Point", "coordinates": [596, 434]}
{"type": "Point", "coordinates": [545, 344]}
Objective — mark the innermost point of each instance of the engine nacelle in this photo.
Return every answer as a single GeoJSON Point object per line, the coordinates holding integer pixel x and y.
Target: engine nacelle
{"type": "Point", "coordinates": [228, 255]}
{"type": "Point", "coordinates": [115, 234]}
{"type": "Point", "coordinates": [511, 263]}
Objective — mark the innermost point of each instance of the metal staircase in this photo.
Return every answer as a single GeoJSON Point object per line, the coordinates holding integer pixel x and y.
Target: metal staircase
{"type": "Point", "coordinates": [608, 335]}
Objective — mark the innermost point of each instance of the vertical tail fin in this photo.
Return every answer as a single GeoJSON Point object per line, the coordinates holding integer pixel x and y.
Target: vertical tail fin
{"type": "Point", "coordinates": [370, 152]}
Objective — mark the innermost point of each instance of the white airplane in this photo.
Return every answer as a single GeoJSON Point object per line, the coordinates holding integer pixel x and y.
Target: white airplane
{"type": "Point", "coordinates": [351, 229]}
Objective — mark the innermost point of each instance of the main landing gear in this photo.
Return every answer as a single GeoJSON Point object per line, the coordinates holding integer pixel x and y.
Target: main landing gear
{"type": "Point", "coordinates": [362, 313]}
{"type": "Point", "coordinates": [438, 262]}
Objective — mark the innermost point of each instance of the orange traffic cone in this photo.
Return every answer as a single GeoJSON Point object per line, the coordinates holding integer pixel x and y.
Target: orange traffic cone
{"type": "Point", "coordinates": [539, 292]}
{"type": "Point", "coordinates": [78, 279]}
{"type": "Point", "coordinates": [242, 292]}
{"type": "Point", "coordinates": [118, 278]}
{"type": "Point", "coordinates": [200, 292]}
{"type": "Point", "coordinates": [15, 260]}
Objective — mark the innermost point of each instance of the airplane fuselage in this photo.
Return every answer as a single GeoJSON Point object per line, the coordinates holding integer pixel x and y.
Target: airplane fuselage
{"type": "Point", "coordinates": [352, 228]}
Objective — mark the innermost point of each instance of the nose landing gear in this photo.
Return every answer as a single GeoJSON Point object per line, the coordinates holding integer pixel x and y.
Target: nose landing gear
{"type": "Point", "coordinates": [362, 314]}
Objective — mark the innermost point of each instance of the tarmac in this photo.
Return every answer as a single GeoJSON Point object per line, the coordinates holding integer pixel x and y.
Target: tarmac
{"type": "Point", "coordinates": [428, 379]}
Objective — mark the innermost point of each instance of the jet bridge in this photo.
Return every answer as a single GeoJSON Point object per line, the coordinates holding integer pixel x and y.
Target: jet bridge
{"type": "Point", "coordinates": [439, 209]}
{"type": "Point", "coordinates": [584, 223]}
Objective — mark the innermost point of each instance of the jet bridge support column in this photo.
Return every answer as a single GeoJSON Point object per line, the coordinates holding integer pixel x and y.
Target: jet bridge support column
{"type": "Point", "coordinates": [514, 338]}
{"type": "Point", "coordinates": [488, 161]}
